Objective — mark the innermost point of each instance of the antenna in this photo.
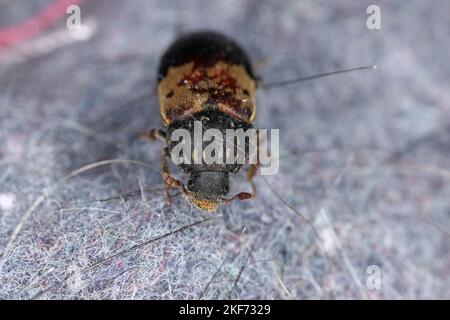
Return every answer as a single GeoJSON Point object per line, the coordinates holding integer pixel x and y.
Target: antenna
{"type": "Point", "coordinates": [308, 78]}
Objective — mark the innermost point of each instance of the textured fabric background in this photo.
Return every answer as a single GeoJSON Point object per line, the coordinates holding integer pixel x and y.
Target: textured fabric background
{"type": "Point", "coordinates": [364, 156]}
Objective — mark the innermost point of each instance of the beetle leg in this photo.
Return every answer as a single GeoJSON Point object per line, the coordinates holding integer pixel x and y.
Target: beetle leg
{"type": "Point", "coordinates": [251, 173]}
{"type": "Point", "coordinates": [253, 170]}
{"type": "Point", "coordinates": [169, 180]}
{"type": "Point", "coordinates": [167, 176]}
{"type": "Point", "coordinates": [154, 134]}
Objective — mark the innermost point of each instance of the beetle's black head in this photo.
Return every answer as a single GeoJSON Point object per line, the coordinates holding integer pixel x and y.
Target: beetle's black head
{"type": "Point", "coordinates": [207, 188]}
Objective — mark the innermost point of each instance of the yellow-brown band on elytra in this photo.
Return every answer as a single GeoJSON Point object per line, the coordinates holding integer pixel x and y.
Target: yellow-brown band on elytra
{"type": "Point", "coordinates": [186, 89]}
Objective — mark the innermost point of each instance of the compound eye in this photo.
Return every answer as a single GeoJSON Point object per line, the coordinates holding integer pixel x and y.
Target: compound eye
{"type": "Point", "coordinates": [190, 185]}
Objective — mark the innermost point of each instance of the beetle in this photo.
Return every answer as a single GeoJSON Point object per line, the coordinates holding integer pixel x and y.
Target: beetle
{"type": "Point", "coordinates": [206, 76]}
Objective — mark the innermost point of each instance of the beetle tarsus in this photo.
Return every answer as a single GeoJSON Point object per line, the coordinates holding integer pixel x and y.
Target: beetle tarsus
{"type": "Point", "coordinates": [251, 173]}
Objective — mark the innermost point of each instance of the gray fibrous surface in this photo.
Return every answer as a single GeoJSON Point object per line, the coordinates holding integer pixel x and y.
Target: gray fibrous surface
{"type": "Point", "coordinates": [363, 188]}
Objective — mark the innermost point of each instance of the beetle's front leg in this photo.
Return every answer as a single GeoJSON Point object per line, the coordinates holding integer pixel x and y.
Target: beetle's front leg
{"type": "Point", "coordinates": [253, 170]}
{"type": "Point", "coordinates": [251, 173]}
{"type": "Point", "coordinates": [169, 180]}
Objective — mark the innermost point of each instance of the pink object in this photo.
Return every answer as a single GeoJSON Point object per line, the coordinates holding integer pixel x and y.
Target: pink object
{"type": "Point", "coordinates": [32, 27]}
